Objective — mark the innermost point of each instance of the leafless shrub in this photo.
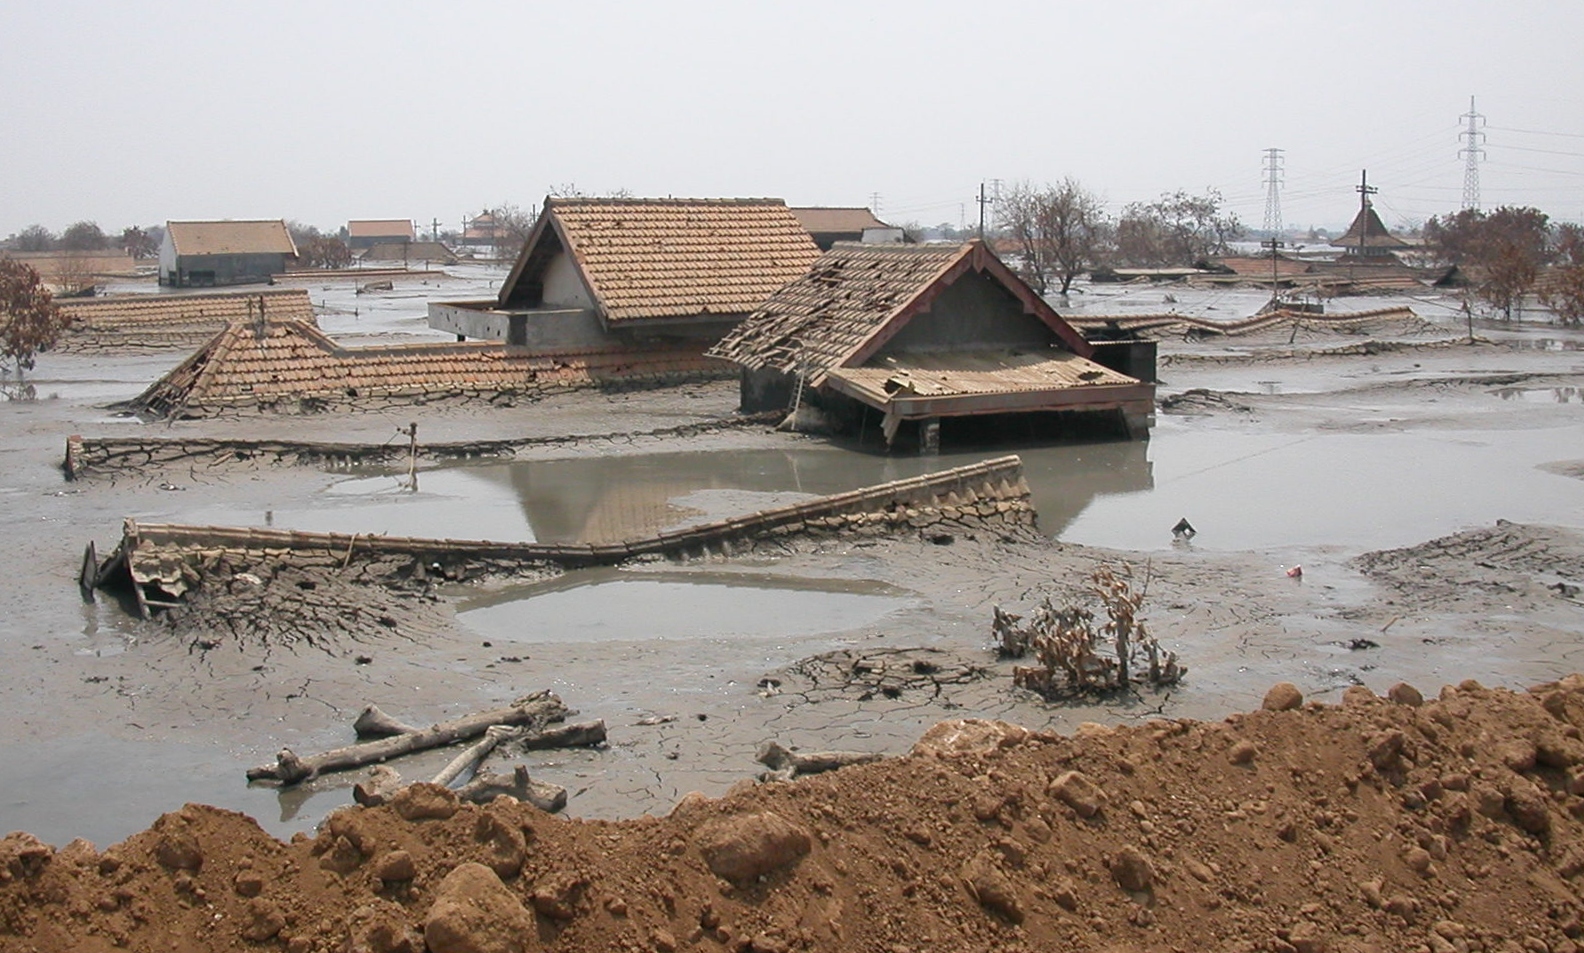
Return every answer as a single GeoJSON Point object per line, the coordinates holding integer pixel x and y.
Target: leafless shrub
{"type": "Point", "coordinates": [1073, 656]}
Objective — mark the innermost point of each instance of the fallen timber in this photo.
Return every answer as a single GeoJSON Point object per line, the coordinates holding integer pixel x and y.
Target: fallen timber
{"type": "Point", "coordinates": [533, 714]}
{"type": "Point", "coordinates": [163, 562]}
{"type": "Point", "coordinates": [93, 456]}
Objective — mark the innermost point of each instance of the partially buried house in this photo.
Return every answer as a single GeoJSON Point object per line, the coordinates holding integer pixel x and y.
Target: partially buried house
{"type": "Point", "coordinates": [206, 254]}
{"type": "Point", "coordinates": [637, 274]}
{"type": "Point", "coordinates": [925, 337]}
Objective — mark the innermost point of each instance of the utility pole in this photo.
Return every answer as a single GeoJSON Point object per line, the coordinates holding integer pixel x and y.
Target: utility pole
{"type": "Point", "coordinates": [1273, 182]}
{"type": "Point", "coordinates": [1273, 243]}
{"type": "Point", "coordinates": [1365, 190]}
{"type": "Point", "coordinates": [434, 230]}
{"type": "Point", "coordinates": [983, 201]}
{"type": "Point", "coordinates": [1472, 153]}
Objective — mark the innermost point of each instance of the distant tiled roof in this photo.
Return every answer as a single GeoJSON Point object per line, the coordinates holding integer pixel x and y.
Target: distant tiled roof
{"type": "Point", "coordinates": [854, 292]}
{"type": "Point", "coordinates": [397, 228]}
{"type": "Point", "coordinates": [409, 251]}
{"type": "Point", "coordinates": [265, 237]}
{"type": "Point", "coordinates": [53, 264]}
{"type": "Point", "coordinates": [186, 312]}
{"type": "Point", "coordinates": [293, 360]}
{"type": "Point", "coordinates": [1367, 223]}
{"type": "Point", "coordinates": [666, 258]}
{"type": "Point", "coordinates": [1260, 267]}
{"type": "Point", "coordinates": [846, 220]}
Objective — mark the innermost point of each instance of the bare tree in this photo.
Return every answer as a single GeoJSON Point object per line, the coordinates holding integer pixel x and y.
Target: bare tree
{"type": "Point", "coordinates": [30, 320]}
{"type": "Point", "coordinates": [1060, 231]}
{"type": "Point", "coordinates": [1175, 229]}
{"type": "Point", "coordinates": [1562, 290]}
{"type": "Point", "coordinates": [513, 225]}
{"type": "Point", "coordinates": [138, 243]}
{"type": "Point", "coordinates": [325, 251]}
{"type": "Point", "coordinates": [84, 236]}
{"type": "Point", "coordinates": [1503, 251]}
{"type": "Point", "coordinates": [36, 238]}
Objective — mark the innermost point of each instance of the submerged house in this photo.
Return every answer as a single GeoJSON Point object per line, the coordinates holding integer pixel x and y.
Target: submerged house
{"type": "Point", "coordinates": [931, 337]}
{"type": "Point", "coordinates": [205, 254]}
{"type": "Point", "coordinates": [368, 232]}
{"type": "Point", "coordinates": [830, 225]}
{"type": "Point", "coordinates": [639, 274]}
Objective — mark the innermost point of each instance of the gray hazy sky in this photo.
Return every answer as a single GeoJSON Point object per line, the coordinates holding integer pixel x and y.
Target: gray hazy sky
{"type": "Point", "coordinates": [135, 113]}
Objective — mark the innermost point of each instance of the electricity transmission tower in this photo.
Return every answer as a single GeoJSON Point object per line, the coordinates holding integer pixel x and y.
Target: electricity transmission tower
{"type": "Point", "coordinates": [1273, 182]}
{"type": "Point", "coordinates": [1472, 153]}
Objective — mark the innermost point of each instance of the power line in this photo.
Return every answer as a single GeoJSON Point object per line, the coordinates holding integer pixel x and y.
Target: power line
{"type": "Point", "coordinates": [1537, 132]}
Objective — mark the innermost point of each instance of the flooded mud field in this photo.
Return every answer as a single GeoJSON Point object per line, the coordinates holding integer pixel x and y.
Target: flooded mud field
{"type": "Point", "coordinates": [1356, 467]}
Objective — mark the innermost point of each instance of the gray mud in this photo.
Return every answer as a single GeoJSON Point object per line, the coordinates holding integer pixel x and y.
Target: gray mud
{"type": "Point", "coordinates": [1282, 462]}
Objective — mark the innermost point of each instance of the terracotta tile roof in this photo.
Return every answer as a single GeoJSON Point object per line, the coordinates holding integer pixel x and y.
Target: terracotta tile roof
{"type": "Point", "coordinates": [292, 360]}
{"type": "Point", "coordinates": [668, 258]}
{"type": "Point", "coordinates": [397, 228]}
{"type": "Point", "coordinates": [52, 265]}
{"type": "Point", "coordinates": [829, 317]}
{"type": "Point", "coordinates": [821, 219]}
{"type": "Point", "coordinates": [409, 251]}
{"type": "Point", "coordinates": [812, 324]}
{"type": "Point", "coordinates": [212, 312]}
{"type": "Point", "coordinates": [260, 237]}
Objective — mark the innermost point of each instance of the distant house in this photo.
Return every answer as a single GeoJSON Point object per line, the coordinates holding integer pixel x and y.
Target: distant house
{"type": "Point", "coordinates": [205, 254]}
{"type": "Point", "coordinates": [410, 253]}
{"type": "Point", "coordinates": [928, 336]}
{"type": "Point", "coordinates": [638, 274]}
{"type": "Point", "coordinates": [831, 225]}
{"type": "Point", "coordinates": [366, 233]}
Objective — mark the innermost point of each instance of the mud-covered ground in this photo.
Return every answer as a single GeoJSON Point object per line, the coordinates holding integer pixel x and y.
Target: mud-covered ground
{"type": "Point", "coordinates": [111, 722]}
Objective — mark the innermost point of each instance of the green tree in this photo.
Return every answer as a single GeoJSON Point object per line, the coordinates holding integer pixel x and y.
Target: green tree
{"type": "Point", "coordinates": [30, 320]}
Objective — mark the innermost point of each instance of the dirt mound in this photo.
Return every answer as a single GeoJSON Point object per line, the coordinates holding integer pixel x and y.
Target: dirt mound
{"type": "Point", "coordinates": [1382, 824]}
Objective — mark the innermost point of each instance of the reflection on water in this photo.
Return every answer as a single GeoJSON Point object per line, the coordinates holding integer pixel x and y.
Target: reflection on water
{"type": "Point", "coordinates": [600, 500]}
{"type": "Point", "coordinates": [606, 605]}
{"type": "Point", "coordinates": [1542, 395]}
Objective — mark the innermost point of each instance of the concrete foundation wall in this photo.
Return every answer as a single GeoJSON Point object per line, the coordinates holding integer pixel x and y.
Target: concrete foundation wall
{"type": "Point", "coordinates": [974, 312]}
{"type": "Point", "coordinates": [564, 329]}
{"type": "Point", "coordinates": [209, 270]}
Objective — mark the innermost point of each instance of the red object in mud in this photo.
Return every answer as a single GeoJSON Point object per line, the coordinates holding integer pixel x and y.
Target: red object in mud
{"type": "Point", "coordinates": [1295, 572]}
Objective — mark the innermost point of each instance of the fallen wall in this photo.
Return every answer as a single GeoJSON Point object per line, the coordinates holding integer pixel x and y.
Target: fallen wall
{"type": "Point", "coordinates": [90, 457]}
{"type": "Point", "coordinates": [164, 561]}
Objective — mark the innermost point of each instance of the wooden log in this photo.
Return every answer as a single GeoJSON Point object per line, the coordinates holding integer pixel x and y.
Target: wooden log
{"type": "Point", "coordinates": [537, 709]}
{"type": "Point", "coordinates": [790, 764]}
{"type": "Point", "coordinates": [487, 787]}
{"type": "Point", "coordinates": [373, 723]}
{"type": "Point", "coordinates": [468, 761]}
{"type": "Point", "coordinates": [584, 735]}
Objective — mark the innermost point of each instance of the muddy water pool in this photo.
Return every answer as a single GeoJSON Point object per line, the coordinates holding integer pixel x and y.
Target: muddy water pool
{"type": "Point", "coordinates": [1242, 486]}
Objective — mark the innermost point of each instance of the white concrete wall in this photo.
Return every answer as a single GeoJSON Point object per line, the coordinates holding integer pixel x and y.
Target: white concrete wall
{"type": "Point", "coordinates": [562, 286]}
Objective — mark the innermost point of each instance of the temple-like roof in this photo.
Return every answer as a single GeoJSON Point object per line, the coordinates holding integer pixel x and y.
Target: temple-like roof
{"type": "Point", "coordinates": [1373, 231]}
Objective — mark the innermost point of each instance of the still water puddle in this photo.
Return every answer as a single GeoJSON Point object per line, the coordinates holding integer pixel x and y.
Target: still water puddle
{"type": "Point", "coordinates": [608, 605]}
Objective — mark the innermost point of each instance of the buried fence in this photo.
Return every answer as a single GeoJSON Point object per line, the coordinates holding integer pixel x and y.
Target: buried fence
{"type": "Point", "coordinates": [161, 562]}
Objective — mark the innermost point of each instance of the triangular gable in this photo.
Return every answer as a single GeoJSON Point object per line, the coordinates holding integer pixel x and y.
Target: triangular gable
{"type": "Point", "coordinates": [975, 258]}
{"type": "Point", "coordinates": [1368, 225]}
